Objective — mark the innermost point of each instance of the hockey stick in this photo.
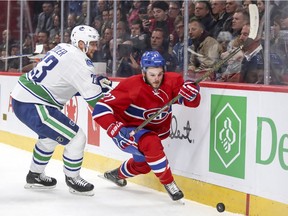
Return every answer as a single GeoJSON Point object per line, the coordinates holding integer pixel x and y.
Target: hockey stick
{"type": "Point", "coordinates": [195, 53]}
{"type": "Point", "coordinates": [254, 25]}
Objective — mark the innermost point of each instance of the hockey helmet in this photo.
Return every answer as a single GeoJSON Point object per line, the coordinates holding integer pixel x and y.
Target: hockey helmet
{"type": "Point", "coordinates": [84, 33]}
{"type": "Point", "coordinates": [152, 59]}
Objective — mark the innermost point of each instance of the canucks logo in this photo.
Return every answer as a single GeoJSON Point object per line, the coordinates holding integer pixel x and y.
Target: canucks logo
{"type": "Point", "coordinates": [89, 63]}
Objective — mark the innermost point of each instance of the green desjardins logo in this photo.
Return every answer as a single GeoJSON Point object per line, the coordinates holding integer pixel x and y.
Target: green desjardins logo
{"type": "Point", "coordinates": [227, 135]}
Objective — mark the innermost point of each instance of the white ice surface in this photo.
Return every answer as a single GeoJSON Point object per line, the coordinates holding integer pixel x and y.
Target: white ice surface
{"type": "Point", "coordinates": [109, 200]}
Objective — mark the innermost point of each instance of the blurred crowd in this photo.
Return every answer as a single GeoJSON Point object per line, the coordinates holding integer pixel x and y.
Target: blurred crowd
{"type": "Point", "coordinates": [215, 29]}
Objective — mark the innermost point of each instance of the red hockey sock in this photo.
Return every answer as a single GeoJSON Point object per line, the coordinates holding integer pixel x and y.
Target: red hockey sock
{"type": "Point", "coordinates": [132, 168]}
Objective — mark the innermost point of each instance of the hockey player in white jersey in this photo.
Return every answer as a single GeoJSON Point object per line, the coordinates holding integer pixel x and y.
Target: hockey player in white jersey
{"type": "Point", "coordinates": [39, 96]}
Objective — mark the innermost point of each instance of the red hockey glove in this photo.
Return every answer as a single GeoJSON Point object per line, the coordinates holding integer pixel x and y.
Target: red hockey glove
{"type": "Point", "coordinates": [189, 90]}
{"type": "Point", "coordinates": [120, 135]}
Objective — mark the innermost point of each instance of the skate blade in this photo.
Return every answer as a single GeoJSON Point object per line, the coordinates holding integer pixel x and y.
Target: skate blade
{"type": "Point", "coordinates": [103, 177]}
{"type": "Point", "coordinates": [38, 187]}
{"type": "Point", "coordinates": [180, 201]}
{"type": "Point", "coordinates": [86, 193]}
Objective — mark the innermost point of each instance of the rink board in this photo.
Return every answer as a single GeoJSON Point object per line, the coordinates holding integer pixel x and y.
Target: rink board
{"type": "Point", "coordinates": [231, 149]}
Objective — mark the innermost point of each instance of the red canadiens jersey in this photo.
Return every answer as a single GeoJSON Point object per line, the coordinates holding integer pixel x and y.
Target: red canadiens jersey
{"type": "Point", "coordinates": [133, 101]}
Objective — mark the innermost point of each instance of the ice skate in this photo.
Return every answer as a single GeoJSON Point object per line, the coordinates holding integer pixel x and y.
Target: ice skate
{"type": "Point", "coordinates": [113, 176]}
{"type": "Point", "coordinates": [174, 192]}
{"type": "Point", "coordinates": [78, 185]}
{"type": "Point", "coordinates": [39, 181]}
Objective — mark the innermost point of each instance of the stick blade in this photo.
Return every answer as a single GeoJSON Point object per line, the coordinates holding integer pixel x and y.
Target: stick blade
{"type": "Point", "coordinates": [254, 21]}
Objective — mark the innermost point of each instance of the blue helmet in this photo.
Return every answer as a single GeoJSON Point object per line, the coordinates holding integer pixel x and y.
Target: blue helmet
{"type": "Point", "coordinates": [152, 59]}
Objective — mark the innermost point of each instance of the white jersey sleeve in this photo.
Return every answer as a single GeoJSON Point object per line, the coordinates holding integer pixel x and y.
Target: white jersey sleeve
{"type": "Point", "coordinates": [63, 72]}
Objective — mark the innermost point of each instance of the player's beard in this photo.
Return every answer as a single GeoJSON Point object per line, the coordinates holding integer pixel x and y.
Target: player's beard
{"type": "Point", "coordinates": [89, 54]}
{"type": "Point", "coordinates": [154, 85]}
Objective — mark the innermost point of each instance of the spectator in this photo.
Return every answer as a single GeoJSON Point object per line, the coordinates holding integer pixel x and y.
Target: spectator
{"type": "Point", "coordinates": [57, 38]}
{"type": "Point", "coordinates": [52, 43]}
{"type": "Point", "coordinates": [246, 3]}
{"type": "Point", "coordinates": [231, 7]}
{"type": "Point", "coordinates": [97, 23]}
{"type": "Point", "coordinates": [231, 70]}
{"type": "Point", "coordinates": [143, 15]}
{"type": "Point", "coordinates": [119, 15]}
{"type": "Point", "coordinates": [66, 36]}
{"type": "Point", "coordinates": [43, 38]}
{"type": "Point", "coordinates": [150, 11]}
{"type": "Point", "coordinates": [122, 30]}
{"type": "Point", "coordinates": [273, 11]}
{"type": "Point", "coordinates": [101, 6]}
{"type": "Point", "coordinates": [7, 40]}
{"type": "Point", "coordinates": [178, 49]}
{"type": "Point", "coordinates": [219, 14]}
{"type": "Point", "coordinates": [106, 21]}
{"type": "Point", "coordinates": [191, 9]}
{"type": "Point", "coordinates": [261, 8]}
{"type": "Point", "coordinates": [103, 52]}
{"type": "Point", "coordinates": [174, 9]}
{"type": "Point", "coordinates": [158, 43]}
{"type": "Point", "coordinates": [204, 45]}
{"type": "Point", "coordinates": [109, 70]}
{"type": "Point", "coordinates": [71, 21]}
{"type": "Point", "coordinates": [275, 30]}
{"type": "Point", "coordinates": [3, 63]}
{"type": "Point", "coordinates": [252, 69]}
{"type": "Point", "coordinates": [284, 18]}
{"type": "Point", "coordinates": [278, 49]}
{"type": "Point", "coordinates": [45, 20]}
{"type": "Point", "coordinates": [224, 38]}
{"type": "Point", "coordinates": [139, 37]}
{"type": "Point", "coordinates": [74, 7]}
{"type": "Point", "coordinates": [127, 65]}
{"type": "Point", "coordinates": [14, 63]}
{"type": "Point", "coordinates": [57, 9]}
{"type": "Point", "coordinates": [240, 18]}
{"type": "Point", "coordinates": [56, 26]}
{"type": "Point", "coordinates": [134, 12]}
{"type": "Point", "coordinates": [82, 19]}
{"type": "Point", "coordinates": [203, 13]}
{"type": "Point", "coordinates": [28, 45]}
{"type": "Point", "coordinates": [161, 18]}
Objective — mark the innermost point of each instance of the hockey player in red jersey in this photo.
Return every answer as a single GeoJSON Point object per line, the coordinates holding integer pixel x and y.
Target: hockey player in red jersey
{"type": "Point", "coordinates": [130, 104]}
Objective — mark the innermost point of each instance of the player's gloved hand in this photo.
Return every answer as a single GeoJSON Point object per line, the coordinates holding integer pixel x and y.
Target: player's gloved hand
{"type": "Point", "coordinates": [104, 82]}
{"type": "Point", "coordinates": [120, 135]}
{"type": "Point", "coordinates": [189, 90]}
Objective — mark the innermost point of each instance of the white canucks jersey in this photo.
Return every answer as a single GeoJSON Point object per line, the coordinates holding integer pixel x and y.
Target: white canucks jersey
{"type": "Point", "coordinates": [64, 71]}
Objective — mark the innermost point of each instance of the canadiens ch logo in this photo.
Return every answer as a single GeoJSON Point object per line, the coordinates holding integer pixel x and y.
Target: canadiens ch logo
{"type": "Point", "coordinates": [160, 118]}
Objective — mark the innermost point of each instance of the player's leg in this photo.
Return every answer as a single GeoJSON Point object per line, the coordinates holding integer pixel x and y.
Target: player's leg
{"type": "Point", "coordinates": [59, 127]}
{"type": "Point", "coordinates": [153, 159]}
{"type": "Point", "coordinates": [128, 169]}
{"type": "Point", "coordinates": [150, 145]}
{"type": "Point", "coordinates": [42, 153]}
{"type": "Point", "coordinates": [73, 158]}
{"type": "Point", "coordinates": [50, 123]}
{"type": "Point", "coordinates": [43, 149]}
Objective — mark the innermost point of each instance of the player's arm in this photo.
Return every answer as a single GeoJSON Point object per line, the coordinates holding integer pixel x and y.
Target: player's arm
{"type": "Point", "coordinates": [187, 92]}
{"type": "Point", "coordinates": [116, 101]}
{"type": "Point", "coordinates": [190, 94]}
